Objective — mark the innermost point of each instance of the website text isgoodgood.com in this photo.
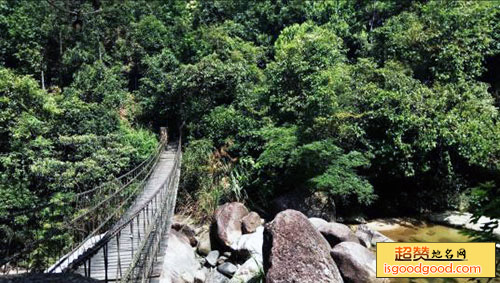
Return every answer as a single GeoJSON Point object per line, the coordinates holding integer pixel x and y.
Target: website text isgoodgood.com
{"type": "Point", "coordinates": [420, 269]}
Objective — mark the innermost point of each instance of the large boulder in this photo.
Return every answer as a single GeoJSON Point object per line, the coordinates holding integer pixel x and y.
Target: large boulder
{"type": "Point", "coordinates": [250, 245]}
{"type": "Point", "coordinates": [251, 222]}
{"type": "Point", "coordinates": [187, 231]}
{"type": "Point", "coordinates": [204, 244]}
{"type": "Point", "coordinates": [294, 250]}
{"type": "Point", "coordinates": [364, 239]}
{"type": "Point", "coordinates": [356, 263]}
{"type": "Point", "coordinates": [312, 204]}
{"type": "Point", "coordinates": [334, 232]}
{"type": "Point", "coordinates": [212, 258]}
{"type": "Point", "coordinates": [462, 220]}
{"type": "Point", "coordinates": [201, 275]}
{"type": "Point", "coordinates": [179, 262]}
{"type": "Point", "coordinates": [368, 237]}
{"type": "Point", "coordinates": [227, 223]}
{"type": "Point", "coordinates": [250, 271]}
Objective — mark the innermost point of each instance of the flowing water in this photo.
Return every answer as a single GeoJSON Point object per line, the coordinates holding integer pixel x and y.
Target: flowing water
{"type": "Point", "coordinates": [410, 230]}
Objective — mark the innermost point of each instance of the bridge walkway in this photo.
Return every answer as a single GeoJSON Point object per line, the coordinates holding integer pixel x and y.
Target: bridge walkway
{"type": "Point", "coordinates": [121, 249]}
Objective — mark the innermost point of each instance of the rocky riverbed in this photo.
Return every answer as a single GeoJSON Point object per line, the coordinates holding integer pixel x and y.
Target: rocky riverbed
{"type": "Point", "coordinates": [239, 246]}
{"type": "Point", "coordinates": [297, 245]}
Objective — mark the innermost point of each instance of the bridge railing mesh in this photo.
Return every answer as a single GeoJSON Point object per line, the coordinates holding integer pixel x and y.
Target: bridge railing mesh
{"type": "Point", "coordinates": [101, 213]}
{"type": "Point", "coordinates": [155, 214]}
{"type": "Point", "coordinates": [143, 262]}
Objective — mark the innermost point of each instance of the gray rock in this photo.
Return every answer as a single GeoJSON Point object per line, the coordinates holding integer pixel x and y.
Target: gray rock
{"type": "Point", "coordinates": [227, 254]}
{"type": "Point", "coordinates": [212, 258]}
{"type": "Point", "coordinates": [201, 275]}
{"type": "Point", "coordinates": [228, 222]}
{"type": "Point", "coordinates": [312, 204]}
{"type": "Point", "coordinates": [204, 244]}
{"type": "Point", "coordinates": [179, 263]}
{"type": "Point", "coordinates": [221, 260]}
{"type": "Point", "coordinates": [334, 232]}
{"type": "Point", "coordinates": [249, 271]}
{"type": "Point", "coordinates": [187, 231]}
{"type": "Point", "coordinates": [251, 222]}
{"type": "Point", "coordinates": [367, 235]}
{"type": "Point", "coordinates": [294, 249]}
{"type": "Point", "coordinates": [364, 238]}
{"type": "Point", "coordinates": [379, 237]}
{"type": "Point", "coordinates": [356, 263]}
{"type": "Point", "coordinates": [462, 220]}
{"type": "Point", "coordinates": [187, 277]}
{"type": "Point", "coordinates": [251, 244]}
{"type": "Point", "coordinates": [227, 269]}
{"type": "Point", "coordinates": [215, 276]}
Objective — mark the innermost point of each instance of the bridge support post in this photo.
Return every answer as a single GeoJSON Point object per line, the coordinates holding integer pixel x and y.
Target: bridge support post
{"type": "Point", "coordinates": [163, 133]}
{"type": "Point", "coordinates": [105, 251]}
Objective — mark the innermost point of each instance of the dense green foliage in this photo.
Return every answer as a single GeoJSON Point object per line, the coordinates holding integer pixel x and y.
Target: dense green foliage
{"type": "Point", "coordinates": [383, 105]}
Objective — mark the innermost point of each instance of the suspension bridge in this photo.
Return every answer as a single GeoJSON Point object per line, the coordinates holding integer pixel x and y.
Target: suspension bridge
{"type": "Point", "coordinates": [122, 226]}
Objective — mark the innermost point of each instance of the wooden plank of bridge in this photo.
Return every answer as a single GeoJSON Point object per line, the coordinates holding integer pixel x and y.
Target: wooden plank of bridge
{"type": "Point", "coordinates": [121, 249]}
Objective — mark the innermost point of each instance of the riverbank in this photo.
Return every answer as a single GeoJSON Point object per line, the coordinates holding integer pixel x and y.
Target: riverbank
{"type": "Point", "coordinates": [462, 220]}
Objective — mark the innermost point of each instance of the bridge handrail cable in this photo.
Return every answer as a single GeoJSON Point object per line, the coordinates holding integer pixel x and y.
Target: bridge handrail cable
{"type": "Point", "coordinates": [166, 204]}
{"type": "Point", "coordinates": [152, 161]}
{"type": "Point", "coordinates": [152, 156]}
{"type": "Point", "coordinates": [148, 250]}
{"type": "Point", "coordinates": [96, 230]}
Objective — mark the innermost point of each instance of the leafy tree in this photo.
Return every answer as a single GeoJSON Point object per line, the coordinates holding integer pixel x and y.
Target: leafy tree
{"type": "Point", "coordinates": [53, 145]}
{"type": "Point", "coordinates": [299, 80]}
{"type": "Point", "coordinates": [226, 71]}
{"type": "Point", "coordinates": [440, 41]}
{"type": "Point", "coordinates": [380, 104]}
{"type": "Point", "coordinates": [24, 37]}
{"type": "Point", "coordinates": [429, 137]}
{"type": "Point", "coordinates": [335, 172]}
